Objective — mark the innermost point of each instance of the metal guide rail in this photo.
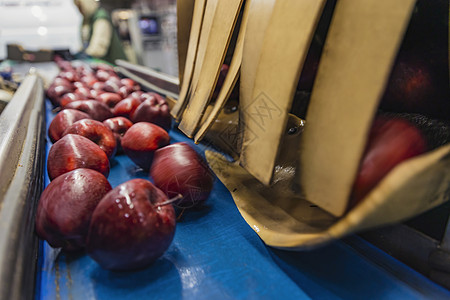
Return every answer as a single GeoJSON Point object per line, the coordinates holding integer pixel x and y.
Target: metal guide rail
{"type": "Point", "coordinates": [22, 154]}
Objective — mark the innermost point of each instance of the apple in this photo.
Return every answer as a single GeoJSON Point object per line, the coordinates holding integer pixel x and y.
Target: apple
{"type": "Point", "coordinates": [83, 92]}
{"type": "Point", "coordinates": [179, 169]}
{"type": "Point", "coordinates": [70, 75]}
{"type": "Point", "coordinates": [102, 75]}
{"type": "Point", "coordinates": [126, 107]}
{"type": "Point", "coordinates": [82, 70]}
{"type": "Point", "coordinates": [89, 80]}
{"type": "Point", "coordinates": [95, 93]}
{"type": "Point", "coordinates": [62, 121]}
{"type": "Point", "coordinates": [222, 75]}
{"type": "Point", "coordinates": [416, 86]}
{"type": "Point", "coordinates": [131, 227]}
{"type": "Point", "coordinates": [153, 110]}
{"type": "Point", "coordinates": [142, 140]}
{"type": "Point", "coordinates": [130, 83]}
{"type": "Point", "coordinates": [112, 85]}
{"type": "Point", "coordinates": [97, 132]}
{"type": "Point", "coordinates": [70, 97]}
{"type": "Point", "coordinates": [97, 110]}
{"type": "Point", "coordinates": [56, 90]}
{"type": "Point", "coordinates": [98, 86]}
{"type": "Point", "coordinates": [137, 95]}
{"type": "Point", "coordinates": [103, 67]}
{"type": "Point", "coordinates": [64, 65]}
{"type": "Point", "coordinates": [390, 142]}
{"type": "Point", "coordinates": [124, 91]}
{"type": "Point", "coordinates": [74, 151]}
{"type": "Point", "coordinates": [110, 99]}
{"type": "Point", "coordinates": [79, 84]}
{"type": "Point", "coordinates": [118, 125]}
{"type": "Point", "coordinates": [66, 206]}
{"type": "Point", "coordinates": [419, 81]}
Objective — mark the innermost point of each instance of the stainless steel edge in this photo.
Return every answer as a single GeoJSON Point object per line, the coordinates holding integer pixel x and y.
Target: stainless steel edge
{"type": "Point", "coordinates": [151, 79]}
{"type": "Point", "coordinates": [25, 165]}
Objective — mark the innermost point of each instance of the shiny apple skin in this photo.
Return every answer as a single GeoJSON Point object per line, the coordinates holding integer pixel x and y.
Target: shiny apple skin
{"type": "Point", "coordinates": [57, 89]}
{"type": "Point", "coordinates": [137, 95]}
{"type": "Point", "coordinates": [142, 140]}
{"type": "Point", "coordinates": [179, 169]}
{"type": "Point", "coordinates": [130, 83]}
{"type": "Point", "coordinates": [97, 132]}
{"type": "Point", "coordinates": [126, 107]}
{"type": "Point", "coordinates": [390, 142]}
{"type": "Point", "coordinates": [102, 75]}
{"type": "Point", "coordinates": [118, 126]}
{"type": "Point", "coordinates": [97, 110]}
{"type": "Point", "coordinates": [62, 121]}
{"type": "Point", "coordinates": [70, 97]}
{"type": "Point", "coordinates": [124, 91]}
{"type": "Point", "coordinates": [83, 92]}
{"type": "Point", "coordinates": [89, 79]}
{"type": "Point", "coordinates": [112, 85]}
{"type": "Point", "coordinates": [73, 152]}
{"type": "Point", "coordinates": [153, 110]}
{"type": "Point", "coordinates": [128, 230]}
{"type": "Point", "coordinates": [66, 206]}
{"type": "Point", "coordinates": [70, 75]}
{"type": "Point", "coordinates": [110, 99]}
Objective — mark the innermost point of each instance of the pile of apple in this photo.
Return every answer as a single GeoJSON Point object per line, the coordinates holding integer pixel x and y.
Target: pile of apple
{"type": "Point", "coordinates": [103, 115]}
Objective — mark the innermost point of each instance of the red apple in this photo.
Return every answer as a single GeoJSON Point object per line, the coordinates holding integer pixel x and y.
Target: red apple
{"type": "Point", "coordinates": [66, 206]}
{"type": "Point", "coordinates": [222, 75]}
{"type": "Point", "coordinates": [97, 110]}
{"type": "Point", "coordinates": [95, 93]}
{"type": "Point", "coordinates": [103, 67]}
{"type": "Point", "coordinates": [98, 86]}
{"type": "Point", "coordinates": [102, 75]}
{"type": "Point", "coordinates": [70, 97]}
{"type": "Point", "coordinates": [124, 91]}
{"type": "Point", "coordinates": [97, 132]}
{"type": "Point", "coordinates": [130, 83]}
{"type": "Point", "coordinates": [110, 99]}
{"type": "Point", "coordinates": [153, 110]}
{"type": "Point", "coordinates": [62, 121]}
{"type": "Point", "coordinates": [149, 95]}
{"type": "Point", "coordinates": [416, 86]}
{"type": "Point", "coordinates": [65, 65]}
{"type": "Point", "coordinates": [83, 92]}
{"type": "Point", "coordinates": [142, 140]}
{"type": "Point", "coordinates": [128, 229]}
{"type": "Point", "coordinates": [70, 75]}
{"type": "Point", "coordinates": [56, 90]}
{"type": "Point", "coordinates": [61, 81]}
{"type": "Point", "coordinates": [112, 85]}
{"type": "Point", "coordinates": [73, 152]}
{"type": "Point", "coordinates": [179, 169]}
{"type": "Point", "coordinates": [82, 70]}
{"type": "Point", "coordinates": [390, 142]}
{"type": "Point", "coordinates": [137, 95]}
{"type": "Point", "coordinates": [118, 125]}
{"type": "Point", "coordinates": [79, 84]}
{"type": "Point", "coordinates": [89, 80]}
{"type": "Point", "coordinates": [126, 107]}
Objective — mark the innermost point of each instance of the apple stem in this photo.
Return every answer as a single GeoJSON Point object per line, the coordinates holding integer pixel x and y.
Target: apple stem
{"type": "Point", "coordinates": [171, 200]}
{"type": "Point", "coordinates": [56, 110]}
{"type": "Point", "coordinates": [181, 214]}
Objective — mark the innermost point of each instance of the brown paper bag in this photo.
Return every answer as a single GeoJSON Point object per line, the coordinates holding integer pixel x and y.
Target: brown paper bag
{"type": "Point", "coordinates": [305, 205]}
